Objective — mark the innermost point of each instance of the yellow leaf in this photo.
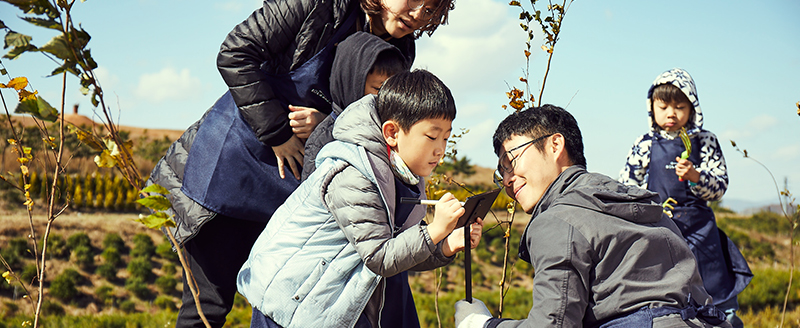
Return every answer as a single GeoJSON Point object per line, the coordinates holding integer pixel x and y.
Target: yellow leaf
{"type": "Point", "coordinates": [12, 142]}
{"type": "Point", "coordinates": [105, 159]}
{"type": "Point", "coordinates": [23, 168]}
{"type": "Point", "coordinates": [7, 275]}
{"type": "Point", "coordinates": [27, 186]}
{"type": "Point", "coordinates": [18, 83]}
{"type": "Point", "coordinates": [27, 95]}
{"type": "Point", "coordinates": [22, 160]}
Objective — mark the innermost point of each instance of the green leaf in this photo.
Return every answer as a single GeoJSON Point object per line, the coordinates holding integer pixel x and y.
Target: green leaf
{"type": "Point", "coordinates": [37, 107]}
{"type": "Point", "coordinates": [14, 39]}
{"type": "Point", "coordinates": [14, 53]}
{"type": "Point", "coordinates": [87, 56]}
{"type": "Point", "coordinates": [155, 202]}
{"type": "Point", "coordinates": [156, 189]}
{"type": "Point", "coordinates": [46, 23]}
{"type": "Point", "coordinates": [59, 47]}
{"type": "Point", "coordinates": [156, 220]}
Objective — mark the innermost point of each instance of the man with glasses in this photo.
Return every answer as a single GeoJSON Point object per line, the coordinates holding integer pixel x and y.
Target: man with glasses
{"type": "Point", "coordinates": [603, 253]}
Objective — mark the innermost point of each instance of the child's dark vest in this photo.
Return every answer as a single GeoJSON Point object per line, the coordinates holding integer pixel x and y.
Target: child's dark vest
{"type": "Point", "coordinates": [724, 270]}
{"type": "Point", "coordinates": [228, 170]}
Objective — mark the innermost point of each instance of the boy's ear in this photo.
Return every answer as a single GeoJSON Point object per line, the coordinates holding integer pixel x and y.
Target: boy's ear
{"type": "Point", "coordinates": [390, 130]}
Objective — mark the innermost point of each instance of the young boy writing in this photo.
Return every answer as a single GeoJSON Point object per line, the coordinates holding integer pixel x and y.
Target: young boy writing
{"type": "Point", "coordinates": [363, 62]}
{"type": "Point", "coordinates": [328, 256]}
{"type": "Point", "coordinates": [655, 163]}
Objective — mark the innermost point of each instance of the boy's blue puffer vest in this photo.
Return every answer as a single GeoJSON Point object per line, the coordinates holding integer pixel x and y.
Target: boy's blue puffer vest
{"type": "Point", "coordinates": [303, 247]}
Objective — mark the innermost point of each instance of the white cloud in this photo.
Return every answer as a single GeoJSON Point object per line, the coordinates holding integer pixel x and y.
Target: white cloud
{"type": "Point", "coordinates": [107, 80]}
{"type": "Point", "coordinates": [168, 84]}
{"type": "Point", "coordinates": [787, 153]}
{"type": "Point", "coordinates": [763, 122]}
{"type": "Point", "coordinates": [479, 48]}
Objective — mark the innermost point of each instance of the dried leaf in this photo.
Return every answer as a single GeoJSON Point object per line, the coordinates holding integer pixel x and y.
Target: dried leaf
{"type": "Point", "coordinates": [105, 159]}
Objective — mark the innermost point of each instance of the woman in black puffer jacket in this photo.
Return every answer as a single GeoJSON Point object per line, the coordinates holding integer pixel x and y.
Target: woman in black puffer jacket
{"type": "Point", "coordinates": [227, 173]}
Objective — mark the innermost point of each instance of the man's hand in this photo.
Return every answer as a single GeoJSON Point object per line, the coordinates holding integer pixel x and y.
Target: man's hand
{"type": "Point", "coordinates": [685, 169]}
{"type": "Point", "coordinates": [303, 120]}
{"type": "Point", "coordinates": [290, 152]}
{"type": "Point", "coordinates": [471, 315]}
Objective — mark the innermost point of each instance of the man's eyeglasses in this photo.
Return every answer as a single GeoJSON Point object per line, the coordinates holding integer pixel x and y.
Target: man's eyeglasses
{"type": "Point", "coordinates": [505, 165]}
{"type": "Point", "coordinates": [427, 13]}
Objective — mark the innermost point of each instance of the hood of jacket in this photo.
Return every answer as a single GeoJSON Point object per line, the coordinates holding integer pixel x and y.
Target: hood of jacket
{"type": "Point", "coordinates": [359, 124]}
{"type": "Point", "coordinates": [355, 57]}
{"type": "Point", "coordinates": [681, 79]}
{"type": "Point", "coordinates": [596, 192]}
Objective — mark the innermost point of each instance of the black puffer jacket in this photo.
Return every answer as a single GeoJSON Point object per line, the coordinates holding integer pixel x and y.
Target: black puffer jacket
{"type": "Point", "coordinates": [277, 38]}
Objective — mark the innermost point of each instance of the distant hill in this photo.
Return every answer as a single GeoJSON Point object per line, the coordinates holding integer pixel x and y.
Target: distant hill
{"type": "Point", "coordinates": [82, 120]}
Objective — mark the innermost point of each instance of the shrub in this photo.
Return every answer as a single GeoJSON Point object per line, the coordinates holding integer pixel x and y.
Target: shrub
{"type": "Point", "coordinates": [28, 273]}
{"type": "Point", "coordinates": [164, 250]}
{"type": "Point", "coordinates": [107, 271]}
{"type": "Point", "coordinates": [166, 284]}
{"type": "Point", "coordinates": [79, 239]}
{"type": "Point", "coordinates": [82, 256]}
{"type": "Point", "coordinates": [140, 267]}
{"type": "Point", "coordinates": [127, 306]}
{"type": "Point", "coordinates": [143, 246]}
{"type": "Point", "coordinates": [56, 247]}
{"type": "Point", "coordinates": [113, 240]}
{"type": "Point", "coordinates": [63, 286]}
{"type": "Point", "coordinates": [16, 250]}
{"type": "Point", "coordinates": [138, 287]}
{"type": "Point", "coordinates": [105, 294]}
{"type": "Point", "coordinates": [165, 303]}
{"type": "Point", "coordinates": [169, 269]}
{"type": "Point", "coordinates": [768, 288]}
{"type": "Point", "coordinates": [111, 256]}
{"type": "Point", "coordinates": [50, 308]}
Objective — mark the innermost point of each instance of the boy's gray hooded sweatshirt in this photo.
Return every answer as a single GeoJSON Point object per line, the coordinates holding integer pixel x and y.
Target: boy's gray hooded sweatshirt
{"type": "Point", "coordinates": [601, 249]}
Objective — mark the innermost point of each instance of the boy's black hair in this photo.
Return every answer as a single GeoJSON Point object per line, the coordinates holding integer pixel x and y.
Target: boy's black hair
{"type": "Point", "coordinates": [388, 63]}
{"type": "Point", "coordinates": [671, 95]}
{"type": "Point", "coordinates": [440, 14]}
{"type": "Point", "coordinates": [409, 97]}
{"type": "Point", "coordinates": [540, 121]}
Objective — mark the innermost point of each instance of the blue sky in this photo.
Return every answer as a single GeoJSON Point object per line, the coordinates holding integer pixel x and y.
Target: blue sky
{"type": "Point", "coordinates": [157, 65]}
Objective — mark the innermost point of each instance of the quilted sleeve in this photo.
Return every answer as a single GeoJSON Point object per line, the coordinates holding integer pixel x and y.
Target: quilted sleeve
{"type": "Point", "coordinates": [359, 210]}
{"type": "Point", "coordinates": [261, 38]}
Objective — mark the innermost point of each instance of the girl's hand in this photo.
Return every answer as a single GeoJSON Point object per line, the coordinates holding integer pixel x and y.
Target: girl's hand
{"type": "Point", "coordinates": [685, 168]}
{"type": "Point", "coordinates": [303, 120]}
{"type": "Point", "coordinates": [448, 210]}
{"type": "Point", "coordinates": [290, 152]}
{"type": "Point", "coordinates": [454, 243]}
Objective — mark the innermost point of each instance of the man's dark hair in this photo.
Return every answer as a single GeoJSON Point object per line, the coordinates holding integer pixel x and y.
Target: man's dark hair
{"type": "Point", "coordinates": [409, 97]}
{"type": "Point", "coordinates": [440, 14]}
{"type": "Point", "coordinates": [671, 95]}
{"type": "Point", "coordinates": [540, 121]}
{"type": "Point", "coordinates": [388, 63]}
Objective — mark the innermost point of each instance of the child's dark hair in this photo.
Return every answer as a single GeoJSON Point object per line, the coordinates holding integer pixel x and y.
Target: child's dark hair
{"type": "Point", "coordinates": [388, 63]}
{"type": "Point", "coordinates": [671, 95]}
{"type": "Point", "coordinates": [541, 121]}
{"type": "Point", "coordinates": [440, 14]}
{"type": "Point", "coordinates": [409, 97]}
